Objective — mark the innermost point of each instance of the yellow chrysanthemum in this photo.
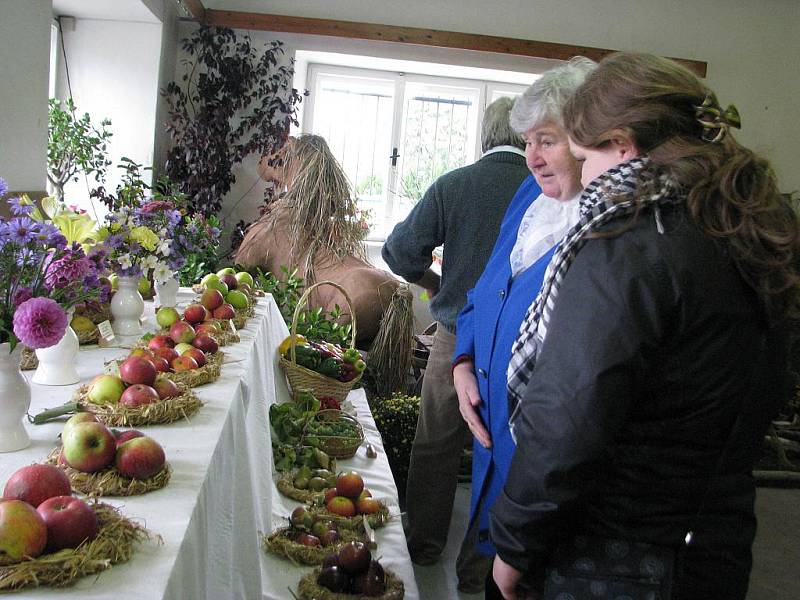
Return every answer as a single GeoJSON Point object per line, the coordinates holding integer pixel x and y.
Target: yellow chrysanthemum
{"type": "Point", "coordinates": [145, 237]}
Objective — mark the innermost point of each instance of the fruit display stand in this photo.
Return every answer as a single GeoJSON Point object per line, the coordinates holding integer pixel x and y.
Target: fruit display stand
{"type": "Point", "coordinates": [221, 493]}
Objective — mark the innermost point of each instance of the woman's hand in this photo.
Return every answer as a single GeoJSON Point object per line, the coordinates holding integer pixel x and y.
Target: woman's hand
{"type": "Point", "coordinates": [507, 579]}
{"type": "Point", "coordinates": [469, 398]}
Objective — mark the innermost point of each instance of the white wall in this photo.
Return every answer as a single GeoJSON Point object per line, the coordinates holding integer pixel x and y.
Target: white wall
{"type": "Point", "coordinates": [752, 48]}
{"type": "Point", "coordinates": [24, 68]}
{"type": "Point", "coordinates": [113, 68]}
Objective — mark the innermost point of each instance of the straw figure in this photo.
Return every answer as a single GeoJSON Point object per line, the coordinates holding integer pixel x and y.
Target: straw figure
{"type": "Point", "coordinates": [314, 227]}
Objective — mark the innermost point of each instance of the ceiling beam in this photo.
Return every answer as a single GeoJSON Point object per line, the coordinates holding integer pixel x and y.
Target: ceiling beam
{"type": "Point", "coordinates": [196, 9]}
{"type": "Point", "coordinates": [413, 35]}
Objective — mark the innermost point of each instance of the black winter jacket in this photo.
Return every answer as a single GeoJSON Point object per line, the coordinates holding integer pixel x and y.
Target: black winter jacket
{"type": "Point", "coordinates": [654, 347]}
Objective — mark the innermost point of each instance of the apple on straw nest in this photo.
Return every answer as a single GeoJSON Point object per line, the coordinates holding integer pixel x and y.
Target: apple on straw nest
{"type": "Point", "coordinates": [48, 537]}
{"type": "Point", "coordinates": [102, 462]}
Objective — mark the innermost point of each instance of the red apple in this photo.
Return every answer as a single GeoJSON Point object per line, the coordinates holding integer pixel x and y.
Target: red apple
{"type": "Point", "coordinates": [105, 389]}
{"type": "Point", "coordinates": [365, 493]}
{"type": "Point", "coordinates": [166, 388]}
{"type": "Point", "coordinates": [36, 483]}
{"type": "Point", "coordinates": [197, 355]}
{"type": "Point", "coordinates": [139, 394]}
{"type": "Point", "coordinates": [181, 332]}
{"type": "Point", "coordinates": [161, 364]}
{"type": "Point", "coordinates": [229, 279]}
{"type": "Point", "coordinates": [23, 533]}
{"type": "Point", "coordinates": [160, 341]}
{"type": "Point", "coordinates": [195, 313]}
{"type": "Point", "coordinates": [330, 493]}
{"type": "Point", "coordinates": [89, 447]}
{"type": "Point", "coordinates": [205, 343]}
{"type": "Point", "coordinates": [136, 369]}
{"type": "Point", "coordinates": [183, 363]}
{"type": "Point", "coordinates": [225, 311]}
{"type": "Point", "coordinates": [166, 353]}
{"type": "Point", "coordinates": [212, 299]}
{"type": "Point", "coordinates": [367, 506]}
{"type": "Point", "coordinates": [69, 521]}
{"type": "Point", "coordinates": [140, 458]}
{"type": "Point", "coordinates": [354, 557]}
{"type": "Point", "coordinates": [124, 436]}
{"type": "Point", "coordinates": [339, 505]}
{"type": "Point", "coordinates": [308, 539]}
{"type": "Point", "coordinates": [349, 484]}
{"type": "Point", "coordinates": [142, 352]}
{"type": "Point", "coordinates": [208, 327]}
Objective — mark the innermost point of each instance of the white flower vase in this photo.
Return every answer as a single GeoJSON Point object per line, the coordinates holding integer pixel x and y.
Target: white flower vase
{"type": "Point", "coordinates": [167, 292]}
{"type": "Point", "coordinates": [57, 363]}
{"type": "Point", "coordinates": [127, 308]}
{"type": "Point", "coordinates": [15, 399]}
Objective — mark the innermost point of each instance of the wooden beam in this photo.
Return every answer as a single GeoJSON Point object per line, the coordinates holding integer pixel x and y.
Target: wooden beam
{"type": "Point", "coordinates": [414, 35]}
{"type": "Point", "coordinates": [196, 9]}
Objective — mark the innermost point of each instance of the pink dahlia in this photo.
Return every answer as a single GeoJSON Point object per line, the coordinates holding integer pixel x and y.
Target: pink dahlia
{"type": "Point", "coordinates": [40, 322]}
{"type": "Point", "coordinates": [21, 295]}
{"type": "Point", "coordinates": [156, 206]}
{"type": "Point", "coordinates": [67, 270]}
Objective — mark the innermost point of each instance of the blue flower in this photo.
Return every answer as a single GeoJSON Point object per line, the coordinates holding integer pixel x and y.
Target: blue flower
{"type": "Point", "coordinates": [18, 208]}
{"type": "Point", "coordinates": [22, 230]}
{"type": "Point", "coordinates": [3, 187]}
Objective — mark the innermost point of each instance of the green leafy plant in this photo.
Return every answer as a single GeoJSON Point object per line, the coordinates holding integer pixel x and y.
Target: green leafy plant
{"type": "Point", "coordinates": [74, 145]}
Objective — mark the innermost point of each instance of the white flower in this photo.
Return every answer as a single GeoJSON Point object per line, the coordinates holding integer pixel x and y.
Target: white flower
{"type": "Point", "coordinates": [124, 261]}
{"type": "Point", "coordinates": [164, 247]}
{"type": "Point", "coordinates": [162, 272]}
{"type": "Point", "coordinates": [149, 261]}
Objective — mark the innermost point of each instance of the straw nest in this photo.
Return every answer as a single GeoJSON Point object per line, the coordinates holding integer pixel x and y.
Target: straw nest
{"type": "Point", "coordinates": [375, 520]}
{"type": "Point", "coordinates": [109, 482]}
{"type": "Point", "coordinates": [281, 542]}
{"type": "Point", "coordinates": [208, 373]}
{"type": "Point", "coordinates": [286, 487]}
{"type": "Point", "coordinates": [156, 413]}
{"type": "Point", "coordinates": [113, 544]}
{"type": "Point", "coordinates": [27, 359]}
{"type": "Point", "coordinates": [242, 314]}
{"type": "Point", "coordinates": [96, 312]}
{"type": "Point", "coordinates": [310, 590]}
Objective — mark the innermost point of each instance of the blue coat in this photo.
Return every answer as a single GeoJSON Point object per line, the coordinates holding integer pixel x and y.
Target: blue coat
{"type": "Point", "coordinates": [486, 328]}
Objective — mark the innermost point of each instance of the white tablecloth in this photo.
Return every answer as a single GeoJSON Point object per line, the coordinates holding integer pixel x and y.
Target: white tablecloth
{"type": "Point", "coordinates": [221, 492]}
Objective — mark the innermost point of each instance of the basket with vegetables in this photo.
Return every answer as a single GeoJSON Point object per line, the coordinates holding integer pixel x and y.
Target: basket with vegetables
{"type": "Point", "coordinates": [335, 432]}
{"type": "Point", "coordinates": [325, 368]}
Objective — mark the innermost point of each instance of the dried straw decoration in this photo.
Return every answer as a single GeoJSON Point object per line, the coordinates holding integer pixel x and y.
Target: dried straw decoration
{"type": "Point", "coordinates": [155, 413]}
{"type": "Point", "coordinates": [113, 544]}
{"type": "Point", "coordinates": [375, 520]}
{"type": "Point", "coordinates": [280, 542]}
{"type": "Point", "coordinates": [95, 312]}
{"type": "Point", "coordinates": [309, 589]}
{"type": "Point", "coordinates": [27, 359]}
{"type": "Point", "coordinates": [285, 485]}
{"type": "Point", "coordinates": [208, 373]}
{"type": "Point", "coordinates": [391, 353]}
{"type": "Point", "coordinates": [242, 314]}
{"type": "Point", "coordinates": [109, 482]}
{"type": "Point", "coordinates": [324, 214]}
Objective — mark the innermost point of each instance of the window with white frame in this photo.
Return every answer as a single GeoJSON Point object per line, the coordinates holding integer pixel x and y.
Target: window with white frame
{"type": "Point", "coordinates": [395, 133]}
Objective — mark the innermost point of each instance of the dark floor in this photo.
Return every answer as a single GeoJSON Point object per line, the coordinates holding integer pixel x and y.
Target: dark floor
{"type": "Point", "coordinates": [776, 553]}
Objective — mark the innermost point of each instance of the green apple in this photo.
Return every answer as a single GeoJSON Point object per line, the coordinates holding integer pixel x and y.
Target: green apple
{"type": "Point", "coordinates": [236, 299]}
{"type": "Point", "coordinates": [144, 285]}
{"type": "Point", "coordinates": [167, 315]}
{"type": "Point", "coordinates": [182, 347]}
{"type": "Point", "coordinates": [218, 285]}
{"type": "Point", "coordinates": [222, 272]}
{"type": "Point", "coordinates": [23, 533]}
{"type": "Point", "coordinates": [113, 279]}
{"type": "Point", "coordinates": [80, 417]}
{"type": "Point", "coordinates": [245, 277]}
{"type": "Point", "coordinates": [210, 278]}
{"type": "Point", "coordinates": [105, 389]}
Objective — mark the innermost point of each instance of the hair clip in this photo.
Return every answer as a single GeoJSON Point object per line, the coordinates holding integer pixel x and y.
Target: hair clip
{"type": "Point", "coordinates": [714, 120]}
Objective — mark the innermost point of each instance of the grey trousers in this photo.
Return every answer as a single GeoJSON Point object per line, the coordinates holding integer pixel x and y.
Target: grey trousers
{"type": "Point", "coordinates": [435, 460]}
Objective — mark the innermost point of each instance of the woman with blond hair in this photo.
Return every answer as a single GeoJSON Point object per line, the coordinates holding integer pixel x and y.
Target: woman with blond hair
{"type": "Point", "coordinates": [647, 370]}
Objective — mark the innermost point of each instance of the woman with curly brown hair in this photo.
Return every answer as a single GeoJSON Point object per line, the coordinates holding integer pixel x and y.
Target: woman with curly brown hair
{"type": "Point", "coordinates": [647, 370]}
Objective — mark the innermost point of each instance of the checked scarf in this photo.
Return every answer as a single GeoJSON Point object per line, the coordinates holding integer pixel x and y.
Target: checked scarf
{"type": "Point", "coordinates": [615, 193]}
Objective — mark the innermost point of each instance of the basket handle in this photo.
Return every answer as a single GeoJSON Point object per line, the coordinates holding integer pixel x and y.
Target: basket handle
{"type": "Point", "coordinates": [302, 302]}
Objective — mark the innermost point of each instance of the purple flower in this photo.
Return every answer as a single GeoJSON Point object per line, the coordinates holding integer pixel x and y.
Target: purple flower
{"type": "Point", "coordinates": [65, 271]}
{"type": "Point", "coordinates": [18, 208]}
{"type": "Point", "coordinates": [3, 187]}
{"type": "Point", "coordinates": [22, 230]}
{"type": "Point", "coordinates": [40, 322]}
{"type": "Point", "coordinates": [21, 295]}
{"type": "Point", "coordinates": [115, 240]}
{"type": "Point", "coordinates": [156, 206]}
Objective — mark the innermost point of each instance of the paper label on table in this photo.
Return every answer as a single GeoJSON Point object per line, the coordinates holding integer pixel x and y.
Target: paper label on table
{"type": "Point", "coordinates": [106, 332]}
{"type": "Point", "coordinates": [111, 368]}
{"type": "Point", "coordinates": [231, 326]}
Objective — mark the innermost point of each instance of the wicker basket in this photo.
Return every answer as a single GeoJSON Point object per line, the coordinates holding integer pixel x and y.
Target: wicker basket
{"type": "Point", "coordinates": [334, 445]}
{"type": "Point", "coordinates": [301, 378]}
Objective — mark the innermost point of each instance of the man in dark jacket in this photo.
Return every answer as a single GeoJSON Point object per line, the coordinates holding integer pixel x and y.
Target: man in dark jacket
{"type": "Point", "coordinates": [463, 210]}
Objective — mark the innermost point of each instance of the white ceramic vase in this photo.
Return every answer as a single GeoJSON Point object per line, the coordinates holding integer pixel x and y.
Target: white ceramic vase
{"type": "Point", "coordinates": [127, 308]}
{"type": "Point", "coordinates": [15, 399]}
{"type": "Point", "coordinates": [167, 292]}
{"type": "Point", "coordinates": [57, 363]}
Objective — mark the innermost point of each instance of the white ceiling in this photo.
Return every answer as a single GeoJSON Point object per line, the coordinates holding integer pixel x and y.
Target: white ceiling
{"type": "Point", "coordinates": [105, 10]}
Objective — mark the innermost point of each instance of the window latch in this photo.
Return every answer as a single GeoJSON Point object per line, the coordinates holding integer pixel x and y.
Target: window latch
{"type": "Point", "coordinates": [394, 156]}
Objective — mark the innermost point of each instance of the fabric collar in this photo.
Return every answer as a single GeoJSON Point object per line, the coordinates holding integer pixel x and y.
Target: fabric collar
{"type": "Point", "coordinates": [513, 149]}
